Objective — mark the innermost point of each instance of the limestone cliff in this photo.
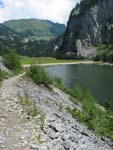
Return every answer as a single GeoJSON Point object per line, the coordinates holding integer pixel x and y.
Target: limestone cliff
{"type": "Point", "coordinates": [90, 23]}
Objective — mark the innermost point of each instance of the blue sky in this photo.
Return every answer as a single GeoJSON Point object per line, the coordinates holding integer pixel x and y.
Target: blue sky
{"type": "Point", "coordinates": [2, 4]}
{"type": "Point", "coordinates": [54, 10]}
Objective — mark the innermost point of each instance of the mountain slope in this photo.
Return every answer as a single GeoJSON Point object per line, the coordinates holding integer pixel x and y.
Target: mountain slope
{"type": "Point", "coordinates": [8, 38]}
{"type": "Point", "coordinates": [90, 23]}
{"type": "Point", "coordinates": [34, 28]}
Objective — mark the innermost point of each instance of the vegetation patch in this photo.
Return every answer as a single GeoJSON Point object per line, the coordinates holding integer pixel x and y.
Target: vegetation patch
{"type": "Point", "coordinates": [39, 139]}
{"type": "Point", "coordinates": [38, 75]}
{"type": "Point", "coordinates": [101, 121]}
{"type": "Point", "coordinates": [12, 61]}
{"type": "Point", "coordinates": [3, 75]}
{"type": "Point", "coordinates": [29, 106]}
{"type": "Point", "coordinates": [80, 116]}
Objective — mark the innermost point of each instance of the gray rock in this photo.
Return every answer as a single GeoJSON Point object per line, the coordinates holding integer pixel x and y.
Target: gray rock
{"type": "Point", "coordinates": [67, 145]}
{"type": "Point", "coordinates": [53, 135]}
{"type": "Point", "coordinates": [89, 24]}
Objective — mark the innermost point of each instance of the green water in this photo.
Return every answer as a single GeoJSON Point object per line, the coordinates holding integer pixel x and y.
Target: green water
{"type": "Point", "coordinates": [96, 78]}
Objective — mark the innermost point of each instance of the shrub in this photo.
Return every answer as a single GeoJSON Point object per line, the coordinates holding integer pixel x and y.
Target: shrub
{"type": "Point", "coordinates": [12, 61]}
{"type": "Point", "coordinates": [38, 75]}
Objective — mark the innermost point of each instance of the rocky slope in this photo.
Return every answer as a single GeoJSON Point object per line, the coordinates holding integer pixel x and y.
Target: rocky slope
{"type": "Point", "coordinates": [35, 28]}
{"type": "Point", "coordinates": [90, 23]}
{"type": "Point", "coordinates": [19, 131]}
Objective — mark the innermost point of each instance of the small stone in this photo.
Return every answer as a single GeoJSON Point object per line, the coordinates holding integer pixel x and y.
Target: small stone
{"type": "Point", "coordinates": [65, 136]}
{"type": "Point", "coordinates": [74, 139]}
{"type": "Point", "coordinates": [34, 146]}
{"type": "Point", "coordinates": [57, 127]}
{"type": "Point", "coordinates": [67, 145]}
{"type": "Point", "coordinates": [53, 135]}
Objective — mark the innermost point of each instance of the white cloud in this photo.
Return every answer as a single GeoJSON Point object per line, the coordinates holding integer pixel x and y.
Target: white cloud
{"type": "Point", "coordinates": [55, 10]}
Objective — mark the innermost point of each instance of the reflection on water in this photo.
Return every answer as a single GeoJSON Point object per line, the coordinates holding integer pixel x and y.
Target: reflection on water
{"type": "Point", "coordinates": [98, 79]}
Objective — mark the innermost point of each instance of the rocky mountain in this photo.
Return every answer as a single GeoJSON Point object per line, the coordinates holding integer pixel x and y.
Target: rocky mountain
{"type": "Point", "coordinates": [10, 39]}
{"type": "Point", "coordinates": [90, 23]}
{"type": "Point", "coordinates": [35, 28]}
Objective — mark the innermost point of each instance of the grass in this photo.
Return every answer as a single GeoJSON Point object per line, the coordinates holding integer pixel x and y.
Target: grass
{"type": "Point", "coordinates": [29, 106]}
{"type": "Point", "coordinates": [31, 110]}
{"type": "Point", "coordinates": [43, 60]}
{"type": "Point", "coordinates": [39, 139]}
{"type": "Point", "coordinates": [80, 116]}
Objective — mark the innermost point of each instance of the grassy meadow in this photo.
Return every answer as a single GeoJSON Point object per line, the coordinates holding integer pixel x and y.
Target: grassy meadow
{"type": "Point", "coordinates": [43, 60]}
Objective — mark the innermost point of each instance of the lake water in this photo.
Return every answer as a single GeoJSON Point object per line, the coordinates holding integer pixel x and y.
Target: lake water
{"type": "Point", "coordinates": [96, 78]}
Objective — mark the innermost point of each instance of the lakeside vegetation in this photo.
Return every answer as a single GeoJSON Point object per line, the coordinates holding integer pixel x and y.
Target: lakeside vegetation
{"type": "Point", "coordinates": [96, 117]}
{"type": "Point", "coordinates": [105, 53]}
{"type": "Point", "coordinates": [38, 75]}
{"type": "Point", "coordinates": [43, 60]}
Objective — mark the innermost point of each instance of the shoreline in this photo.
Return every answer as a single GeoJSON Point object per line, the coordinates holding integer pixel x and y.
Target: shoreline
{"type": "Point", "coordinates": [71, 63]}
{"type": "Point", "coordinates": [65, 63]}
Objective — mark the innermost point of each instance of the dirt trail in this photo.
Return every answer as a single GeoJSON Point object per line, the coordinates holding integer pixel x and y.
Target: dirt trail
{"type": "Point", "coordinates": [10, 121]}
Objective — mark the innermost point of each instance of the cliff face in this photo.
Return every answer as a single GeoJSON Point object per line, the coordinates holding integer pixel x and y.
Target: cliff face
{"type": "Point", "coordinates": [90, 23]}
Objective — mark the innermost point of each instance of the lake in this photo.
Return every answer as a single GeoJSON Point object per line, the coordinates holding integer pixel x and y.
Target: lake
{"type": "Point", "coordinates": [96, 78]}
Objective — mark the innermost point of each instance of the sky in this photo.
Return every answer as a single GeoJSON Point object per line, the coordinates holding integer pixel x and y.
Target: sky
{"type": "Point", "coordinates": [54, 10]}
